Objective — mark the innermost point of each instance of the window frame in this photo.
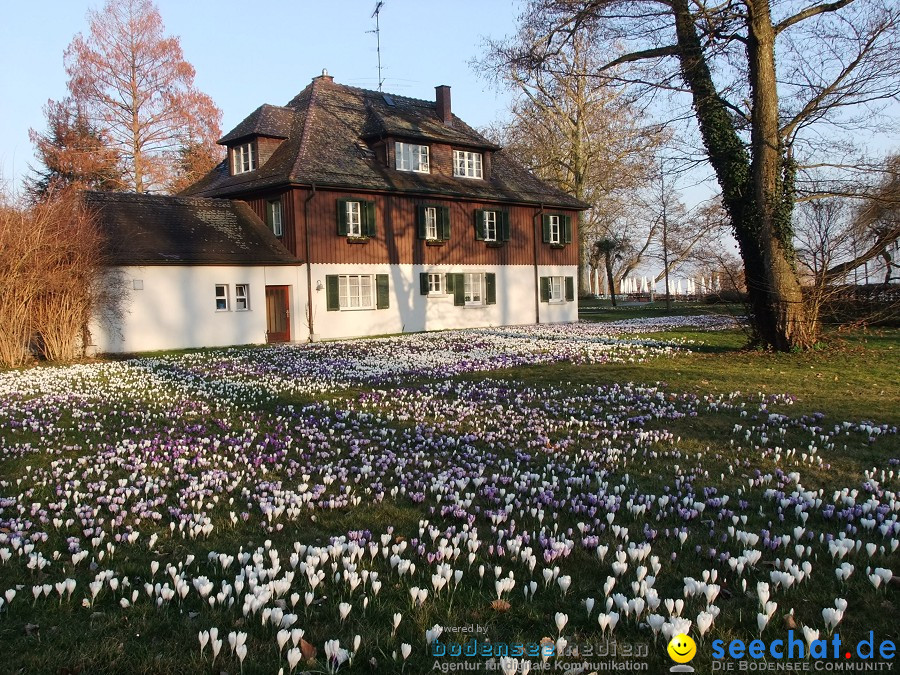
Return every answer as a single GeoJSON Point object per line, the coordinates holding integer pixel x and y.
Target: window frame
{"type": "Point", "coordinates": [354, 229]}
{"type": "Point", "coordinates": [410, 156]}
{"type": "Point", "coordinates": [555, 222]}
{"type": "Point", "coordinates": [344, 284]}
{"type": "Point", "coordinates": [557, 290]}
{"type": "Point", "coordinates": [438, 288]}
{"type": "Point", "coordinates": [242, 293]}
{"type": "Point", "coordinates": [243, 155]}
{"type": "Point", "coordinates": [469, 291]}
{"type": "Point", "coordinates": [490, 222]}
{"type": "Point", "coordinates": [223, 297]}
{"type": "Point", "coordinates": [431, 224]}
{"type": "Point", "coordinates": [468, 164]}
{"type": "Point", "coordinates": [276, 225]}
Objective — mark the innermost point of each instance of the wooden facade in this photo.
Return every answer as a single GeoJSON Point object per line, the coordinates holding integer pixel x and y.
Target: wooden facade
{"type": "Point", "coordinates": [396, 240]}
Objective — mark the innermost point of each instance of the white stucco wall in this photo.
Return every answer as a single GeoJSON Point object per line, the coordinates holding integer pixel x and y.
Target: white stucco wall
{"type": "Point", "coordinates": [410, 311]}
{"type": "Point", "coordinates": [176, 307]}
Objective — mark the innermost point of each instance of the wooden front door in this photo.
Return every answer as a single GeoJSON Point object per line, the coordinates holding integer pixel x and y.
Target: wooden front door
{"type": "Point", "coordinates": [278, 314]}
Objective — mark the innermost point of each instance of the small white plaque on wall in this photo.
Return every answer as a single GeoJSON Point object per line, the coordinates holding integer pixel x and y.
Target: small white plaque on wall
{"type": "Point", "coordinates": [138, 284]}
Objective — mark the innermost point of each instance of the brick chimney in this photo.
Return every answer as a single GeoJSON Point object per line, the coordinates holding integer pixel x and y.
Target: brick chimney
{"type": "Point", "coordinates": [325, 77]}
{"type": "Point", "coordinates": [442, 103]}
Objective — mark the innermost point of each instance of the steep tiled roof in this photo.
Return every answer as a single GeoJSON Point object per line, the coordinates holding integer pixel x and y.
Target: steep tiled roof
{"type": "Point", "coordinates": [266, 120]}
{"type": "Point", "coordinates": [326, 145]}
{"type": "Point", "coordinates": [154, 229]}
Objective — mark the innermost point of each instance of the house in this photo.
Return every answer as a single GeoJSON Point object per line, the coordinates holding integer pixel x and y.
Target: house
{"type": "Point", "coordinates": [346, 212]}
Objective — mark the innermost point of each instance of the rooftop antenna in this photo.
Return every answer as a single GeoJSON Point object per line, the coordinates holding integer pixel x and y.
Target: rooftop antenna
{"type": "Point", "coordinates": [377, 32]}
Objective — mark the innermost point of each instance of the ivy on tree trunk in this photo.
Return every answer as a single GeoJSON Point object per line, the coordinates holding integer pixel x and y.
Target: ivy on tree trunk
{"type": "Point", "coordinates": [757, 187]}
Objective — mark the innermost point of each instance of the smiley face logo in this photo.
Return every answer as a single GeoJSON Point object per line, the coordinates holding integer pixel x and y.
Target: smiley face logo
{"type": "Point", "coordinates": [682, 648]}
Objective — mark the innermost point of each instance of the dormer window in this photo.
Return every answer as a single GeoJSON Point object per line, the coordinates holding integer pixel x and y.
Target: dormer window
{"type": "Point", "coordinates": [467, 164]}
{"type": "Point", "coordinates": [412, 157]}
{"type": "Point", "coordinates": [243, 158]}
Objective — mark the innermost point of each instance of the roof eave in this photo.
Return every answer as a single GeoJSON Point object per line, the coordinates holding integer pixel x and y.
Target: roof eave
{"type": "Point", "coordinates": [202, 263]}
{"type": "Point", "coordinates": [226, 140]}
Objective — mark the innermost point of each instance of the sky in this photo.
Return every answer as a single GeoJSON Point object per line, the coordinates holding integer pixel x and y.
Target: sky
{"type": "Point", "coordinates": [265, 51]}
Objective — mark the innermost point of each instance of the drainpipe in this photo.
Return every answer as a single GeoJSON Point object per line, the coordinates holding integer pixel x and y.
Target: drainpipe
{"type": "Point", "coordinates": [537, 280]}
{"type": "Point", "coordinates": [309, 296]}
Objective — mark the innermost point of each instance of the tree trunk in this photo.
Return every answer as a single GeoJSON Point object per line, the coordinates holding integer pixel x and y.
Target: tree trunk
{"type": "Point", "coordinates": [611, 283]}
{"type": "Point", "coordinates": [784, 325]}
{"type": "Point", "coordinates": [584, 268]}
{"type": "Point", "coordinates": [757, 190]}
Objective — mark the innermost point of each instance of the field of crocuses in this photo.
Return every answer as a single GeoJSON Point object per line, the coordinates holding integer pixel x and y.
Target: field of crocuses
{"type": "Point", "coordinates": [373, 506]}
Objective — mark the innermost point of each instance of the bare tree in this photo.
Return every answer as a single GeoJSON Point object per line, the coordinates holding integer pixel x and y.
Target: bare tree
{"type": "Point", "coordinates": [838, 67]}
{"type": "Point", "coordinates": [134, 85]}
{"type": "Point", "coordinates": [583, 134]}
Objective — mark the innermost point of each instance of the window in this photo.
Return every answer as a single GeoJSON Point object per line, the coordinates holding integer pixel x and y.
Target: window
{"type": "Point", "coordinates": [273, 216]}
{"type": "Point", "coordinates": [557, 289]}
{"type": "Point", "coordinates": [432, 283]}
{"type": "Point", "coordinates": [473, 289]}
{"type": "Point", "coordinates": [490, 226]}
{"type": "Point", "coordinates": [243, 158]}
{"type": "Point", "coordinates": [431, 225]}
{"type": "Point", "coordinates": [354, 219]}
{"type": "Point", "coordinates": [466, 164]}
{"type": "Point", "coordinates": [412, 157]}
{"type": "Point", "coordinates": [555, 233]}
{"type": "Point", "coordinates": [557, 230]}
{"type": "Point", "coordinates": [221, 298]}
{"type": "Point", "coordinates": [241, 297]}
{"type": "Point", "coordinates": [356, 291]}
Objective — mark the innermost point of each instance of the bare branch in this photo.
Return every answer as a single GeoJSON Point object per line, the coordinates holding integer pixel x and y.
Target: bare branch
{"type": "Point", "coordinates": [643, 55]}
{"type": "Point", "coordinates": [810, 12]}
{"type": "Point", "coordinates": [882, 241]}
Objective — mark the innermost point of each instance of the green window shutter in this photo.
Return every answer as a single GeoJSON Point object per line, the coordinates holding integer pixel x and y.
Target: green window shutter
{"type": "Point", "coordinates": [567, 229]}
{"type": "Point", "coordinates": [369, 208]}
{"type": "Point", "coordinates": [444, 223]}
{"type": "Point", "coordinates": [504, 225]}
{"type": "Point", "coordinates": [332, 293]}
{"type": "Point", "coordinates": [545, 289]}
{"type": "Point", "coordinates": [342, 217]}
{"type": "Point", "coordinates": [420, 222]}
{"type": "Point", "coordinates": [570, 289]}
{"type": "Point", "coordinates": [546, 228]}
{"type": "Point", "coordinates": [382, 291]}
{"type": "Point", "coordinates": [448, 283]}
{"type": "Point", "coordinates": [490, 288]}
{"type": "Point", "coordinates": [479, 224]}
{"type": "Point", "coordinates": [459, 289]}
{"type": "Point", "coordinates": [423, 283]}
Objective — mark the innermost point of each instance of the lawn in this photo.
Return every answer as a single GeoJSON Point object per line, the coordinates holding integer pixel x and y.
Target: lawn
{"type": "Point", "coordinates": [361, 506]}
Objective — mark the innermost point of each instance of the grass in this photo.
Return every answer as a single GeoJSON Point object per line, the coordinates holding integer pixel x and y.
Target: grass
{"type": "Point", "coordinates": [596, 309]}
{"type": "Point", "coordinates": [854, 376]}
{"type": "Point", "coordinates": [685, 435]}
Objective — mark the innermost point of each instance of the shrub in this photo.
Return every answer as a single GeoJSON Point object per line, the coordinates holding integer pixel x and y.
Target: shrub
{"type": "Point", "coordinates": [49, 264]}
